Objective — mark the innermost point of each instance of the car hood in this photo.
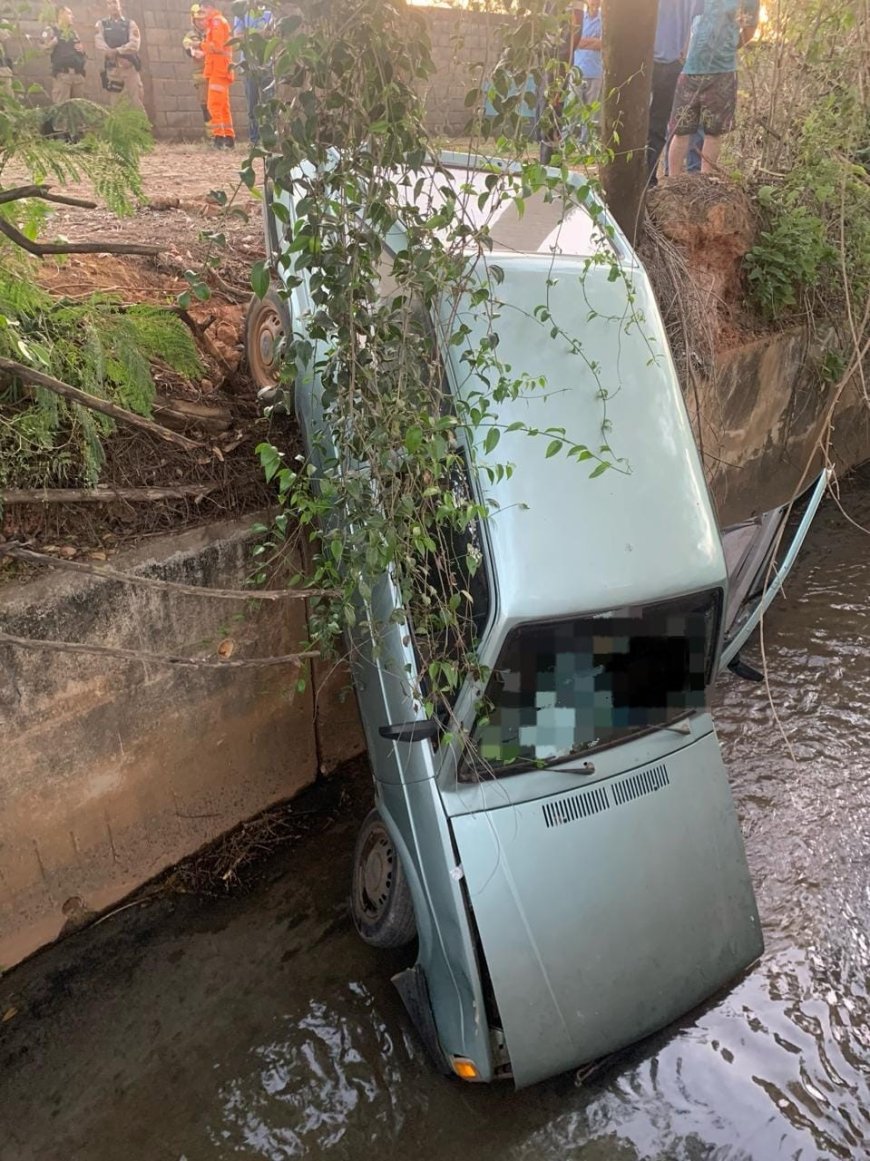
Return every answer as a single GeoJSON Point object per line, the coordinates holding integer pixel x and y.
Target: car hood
{"type": "Point", "coordinates": [608, 912]}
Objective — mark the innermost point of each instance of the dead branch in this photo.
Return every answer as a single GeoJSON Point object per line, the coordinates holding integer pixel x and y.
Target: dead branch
{"type": "Point", "coordinates": [26, 554]}
{"type": "Point", "coordinates": [29, 375]}
{"type": "Point", "coordinates": [230, 292]}
{"type": "Point", "coordinates": [294, 659]}
{"type": "Point", "coordinates": [181, 413]}
{"type": "Point", "coordinates": [41, 249]}
{"type": "Point", "coordinates": [102, 495]}
{"type": "Point", "coordinates": [43, 193]}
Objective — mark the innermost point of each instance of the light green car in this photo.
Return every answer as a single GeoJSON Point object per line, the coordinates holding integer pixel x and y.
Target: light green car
{"type": "Point", "coordinates": [593, 887]}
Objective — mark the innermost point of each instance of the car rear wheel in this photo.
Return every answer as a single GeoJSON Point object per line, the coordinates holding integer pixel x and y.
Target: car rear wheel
{"type": "Point", "coordinates": [380, 899]}
{"type": "Point", "coordinates": [266, 328]}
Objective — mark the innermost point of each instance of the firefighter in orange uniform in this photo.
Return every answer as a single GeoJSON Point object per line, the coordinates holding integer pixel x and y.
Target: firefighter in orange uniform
{"type": "Point", "coordinates": [217, 70]}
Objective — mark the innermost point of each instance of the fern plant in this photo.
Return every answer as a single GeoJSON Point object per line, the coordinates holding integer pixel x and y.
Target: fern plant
{"type": "Point", "coordinates": [112, 143]}
{"type": "Point", "coordinates": [97, 345]}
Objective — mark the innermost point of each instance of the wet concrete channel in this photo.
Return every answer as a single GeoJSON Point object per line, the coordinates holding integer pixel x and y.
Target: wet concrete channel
{"type": "Point", "coordinates": [257, 1025]}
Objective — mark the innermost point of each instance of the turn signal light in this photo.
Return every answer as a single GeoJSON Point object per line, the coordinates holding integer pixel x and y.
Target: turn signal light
{"type": "Point", "coordinates": [464, 1069]}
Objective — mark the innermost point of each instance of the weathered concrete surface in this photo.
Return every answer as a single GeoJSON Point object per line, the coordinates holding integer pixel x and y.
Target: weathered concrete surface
{"type": "Point", "coordinates": [112, 770]}
{"type": "Point", "coordinates": [759, 422]}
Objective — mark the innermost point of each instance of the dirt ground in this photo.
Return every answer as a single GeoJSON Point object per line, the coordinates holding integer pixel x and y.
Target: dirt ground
{"type": "Point", "coordinates": [181, 216]}
{"type": "Point", "coordinates": [177, 182]}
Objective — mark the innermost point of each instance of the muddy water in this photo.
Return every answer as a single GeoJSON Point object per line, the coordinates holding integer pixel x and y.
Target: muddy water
{"type": "Point", "coordinates": [259, 1027]}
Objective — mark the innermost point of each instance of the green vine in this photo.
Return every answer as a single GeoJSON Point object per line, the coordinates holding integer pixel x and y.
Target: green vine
{"type": "Point", "coordinates": [395, 255]}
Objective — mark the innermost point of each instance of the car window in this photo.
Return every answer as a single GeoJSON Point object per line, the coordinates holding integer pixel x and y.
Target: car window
{"type": "Point", "coordinates": [569, 687]}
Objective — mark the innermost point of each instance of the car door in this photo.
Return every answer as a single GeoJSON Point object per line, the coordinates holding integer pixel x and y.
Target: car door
{"type": "Point", "coordinates": [759, 554]}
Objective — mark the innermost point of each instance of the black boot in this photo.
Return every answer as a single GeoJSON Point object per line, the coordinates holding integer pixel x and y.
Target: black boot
{"type": "Point", "coordinates": [229, 143]}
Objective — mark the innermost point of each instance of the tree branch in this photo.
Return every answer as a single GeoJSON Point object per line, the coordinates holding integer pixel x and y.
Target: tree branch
{"type": "Point", "coordinates": [42, 192]}
{"type": "Point", "coordinates": [162, 658]}
{"type": "Point", "coordinates": [40, 250]}
{"type": "Point", "coordinates": [156, 583]}
{"type": "Point", "coordinates": [101, 495]}
{"type": "Point", "coordinates": [29, 375]}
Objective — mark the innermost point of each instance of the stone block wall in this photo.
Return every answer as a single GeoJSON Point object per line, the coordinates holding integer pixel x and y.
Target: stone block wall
{"type": "Point", "coordinates": [171, 101]}
{"type": "Point", "coordinates": [464, 45]}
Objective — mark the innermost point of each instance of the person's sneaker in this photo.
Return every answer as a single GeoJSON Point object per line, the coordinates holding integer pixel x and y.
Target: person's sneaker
{"type": "Point", "coordinates": [229, 143]}
{"type": "Point", "coordinates": [217, 143]}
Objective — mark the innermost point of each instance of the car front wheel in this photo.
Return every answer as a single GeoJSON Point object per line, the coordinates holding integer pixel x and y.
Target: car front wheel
{"type": "Point", "coordinates": [380, 900]}
{"type": "Point", "coordinates": [266, 328]}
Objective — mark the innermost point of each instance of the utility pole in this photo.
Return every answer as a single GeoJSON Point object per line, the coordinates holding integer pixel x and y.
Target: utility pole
{"type": "Point", "coordinates": [628, 30]}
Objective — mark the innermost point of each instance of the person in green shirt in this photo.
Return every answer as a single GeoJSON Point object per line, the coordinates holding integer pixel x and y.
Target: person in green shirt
{"type": "Point", "coordinates": [706, 93]}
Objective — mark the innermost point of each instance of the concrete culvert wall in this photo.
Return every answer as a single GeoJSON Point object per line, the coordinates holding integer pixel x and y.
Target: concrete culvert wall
{"type": "Point", "coordinates": [112, 769]}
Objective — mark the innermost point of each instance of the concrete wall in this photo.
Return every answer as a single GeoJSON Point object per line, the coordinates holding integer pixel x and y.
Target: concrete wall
{"type": "Point", "coordinates": [760, 419]}
{"type": "Point", "coordinates": [463, 44]}
{"type": "Point", "coordinates": [112, 770]}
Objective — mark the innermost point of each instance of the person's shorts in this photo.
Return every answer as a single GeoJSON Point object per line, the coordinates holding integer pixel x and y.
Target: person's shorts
{"type": "Point", "coordinates": [705, 101]}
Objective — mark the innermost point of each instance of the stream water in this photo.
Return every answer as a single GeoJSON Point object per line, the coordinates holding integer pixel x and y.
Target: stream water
{"type": "Point", "coordinates": [258, 1026]}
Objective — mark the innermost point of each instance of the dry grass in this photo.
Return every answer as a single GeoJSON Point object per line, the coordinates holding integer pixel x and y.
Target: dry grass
{"type": "Point", "coordinates": [685, 306]}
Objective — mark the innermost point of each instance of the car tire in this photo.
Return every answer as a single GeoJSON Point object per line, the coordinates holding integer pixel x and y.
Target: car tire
{"type": "Point", "coordinates": [267, 324]}
{"type": "Point", "coordinates": [380, 899]}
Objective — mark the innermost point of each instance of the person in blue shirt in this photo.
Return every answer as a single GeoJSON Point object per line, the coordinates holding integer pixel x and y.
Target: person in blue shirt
{"type": "Point", "coordinates": [255, 19]}
{"type": "Point", "coordinates": [586, 56]}
{"type": "Point", "coordinates": [706, 92]}
{"type": "Point", "coordinates": [671, 43]}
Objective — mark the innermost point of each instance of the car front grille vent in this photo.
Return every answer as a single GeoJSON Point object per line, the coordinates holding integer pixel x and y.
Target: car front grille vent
{"type": "Point", "coordinates": [573, 807]}
{"type": "Point", "coordinates": [635, 786]}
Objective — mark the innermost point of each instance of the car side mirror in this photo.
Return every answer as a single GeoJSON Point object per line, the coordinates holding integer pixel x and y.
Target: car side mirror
{"type": "Point", "coordinates": [421, 731]}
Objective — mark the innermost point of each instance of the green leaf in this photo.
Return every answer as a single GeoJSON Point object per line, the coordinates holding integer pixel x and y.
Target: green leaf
{"type": "Point", "coordinates": [413, 439]}
{"type": "Point", "coordinates": [602, 467]}
{"type": "Point", "coordinates": [260, 279]}
{"type": "Point", "coordinates": [553, 448]}
{"type": "Point", "coordinates": [491, 441]}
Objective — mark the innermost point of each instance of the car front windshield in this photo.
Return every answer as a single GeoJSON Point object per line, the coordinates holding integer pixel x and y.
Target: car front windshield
{"type": "Point", "coordinates": [568, 687]}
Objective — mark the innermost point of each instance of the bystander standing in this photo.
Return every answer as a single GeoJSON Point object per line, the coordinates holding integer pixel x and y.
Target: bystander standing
{"type": "Point", "coordinates": [706, 92]}
{"type": "Point", "coordinates": [218, 71]}
{"type": "Point", "coordinates": [192, 44]}
{"type": "Point", "coordinates": [6, 68]}
{"type": "Point", "coordinates": [586, 56]}
{"type": "Point", "coordinates": [254, 19]}
{"type": "Point", "coordinates": [68, 57]}
{"type": "Point", "coordinates": [68, 60]}
{"type": "Point", "coordinates": [671, 44]}
{"type": "Point", "coordinates": [119, 38]}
